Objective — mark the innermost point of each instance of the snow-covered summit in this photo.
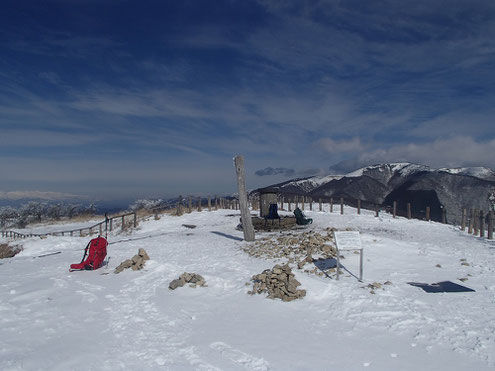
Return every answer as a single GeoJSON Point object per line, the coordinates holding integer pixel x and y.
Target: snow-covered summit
{"type": "Point", "coordinates": [476, 171]}
{"type": "Point", "coordinates": [404, 168]}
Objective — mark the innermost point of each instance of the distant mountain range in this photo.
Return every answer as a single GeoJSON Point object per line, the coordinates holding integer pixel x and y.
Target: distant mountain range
{"type": "Point", "coordinates": [420, 185]}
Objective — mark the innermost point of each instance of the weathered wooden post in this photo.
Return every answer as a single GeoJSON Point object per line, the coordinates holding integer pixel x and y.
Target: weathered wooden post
{"type": "Point", "coordinates": [303, 201]}
{"type": "Point", "coordinates": [377, 212]}
{"type": "Point", "coordinates": [80, 233]}
{"type": "Point", "coordinates": [297, 201]}
{"type": "Point", "coordinates": [359, 206]}
{"type": "Point", "coordinates": [71, 233]}
{"type": "Point", "coordinates": [209, 203]}
{"type": "Point", "coordinates": [444, 215]}
{"type": "Point", "coordinates": [189, 205]}
{"type": "Point", "coordinates": [490, 225]}
{"type": "Point", "coordinates": [100, 231]}
{"type": "Point", "coordinates": [111, 224]}
{"type": "Point", "coordinates": [247, 223]}
{"type": "Point", "coordinates": [123, 222]}
{"type": "Point", "coordinates": [409, 215]}
{"type": "Point", "coordinates": [331, 204]}
{"type": "Point", "coordinates": [135, 220]}
{"type": "Point", "coordinates": [321, 206]}
{"type": "Point", "coordinates": [341, 206]}
{"type": "Point", "coordinates": [310, 203]}
{"type": "Point", "coordinates": [179, 206]}
{"type": "Point", "coordinates": [463, 221]}
{"type": "Point", "coordinates": [475, 222]}
{"type": "Point", "coordinates": [470, 221]}
{"type": "Point", "coordinates": [428, 211]}
{"type": "Point", "coordinates": [200, 208]}
{"type": "Point", "coordinates": [216, 203]}
{"type": "Point", "coordinates": [482, 223]}
{"type": "Point", "coordinates": [395, 209]}
{"type": "Point", "coordinates": [289, 206]}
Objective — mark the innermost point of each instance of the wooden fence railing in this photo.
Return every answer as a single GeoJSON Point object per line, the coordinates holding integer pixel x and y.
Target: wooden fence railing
{"type": "Point", "coordinates": [98, 227]}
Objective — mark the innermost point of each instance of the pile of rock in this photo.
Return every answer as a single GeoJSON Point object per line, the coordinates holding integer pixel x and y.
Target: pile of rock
{"type": "Point", "coordinates": [135, 263]}
{"type": "Point", "coordinates": [279, 283]}
{"type": "Point", "coordinates": [7, 251]}
{"type": "Point", "coordinates": [192, 279]}
{"type": "Point", "coordinates": [295, 248]}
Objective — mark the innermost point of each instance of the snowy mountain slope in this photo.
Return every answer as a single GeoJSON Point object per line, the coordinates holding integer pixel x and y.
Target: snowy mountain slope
{"type": "Point", "coordinates": [55, 320]}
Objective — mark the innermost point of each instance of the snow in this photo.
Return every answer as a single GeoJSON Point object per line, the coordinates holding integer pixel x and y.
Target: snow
{"type": "Point", "coordinates": [55, 320]}
{"type": "Point", "coordinates": [477, 172]}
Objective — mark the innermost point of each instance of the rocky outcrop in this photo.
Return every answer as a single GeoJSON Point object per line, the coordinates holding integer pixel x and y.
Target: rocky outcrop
{"type": "Point", "coordinates": [7, 251]}
{"type": "Point", "coordinates": [135, 263]}
{"type": "Point", "coordinates": [278, 282]}
{"type": "Point", "coordinates": [193, 279]}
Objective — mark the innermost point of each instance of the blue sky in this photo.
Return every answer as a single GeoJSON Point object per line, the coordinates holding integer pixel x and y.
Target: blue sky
{"type": "Point", "coordinates": [117, 99]}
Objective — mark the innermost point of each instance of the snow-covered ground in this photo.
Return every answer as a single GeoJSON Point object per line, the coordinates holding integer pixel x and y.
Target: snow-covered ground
{"type": "Point", "coordinates": [51, 319]}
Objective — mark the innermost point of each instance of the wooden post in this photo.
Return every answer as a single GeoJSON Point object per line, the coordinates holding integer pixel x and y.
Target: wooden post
{"type": "Point", "coordinates": [331, 204]}
{"type": "Point", "coordinates": [189, 209]}
{"type": "Point", "coordinates": [71, 233]}
{"type": "Point", "coordinates": [247, 223]}
{"type": "Point", "coordinates": [200, 208]}
{"type": "Point", "coordinates": [100, 231]}
{"type": "Point", "coordinates": [377, 213]}
{"type": "Point", "coordinates": [179, 206]}
{"type": "Point", "coordinates": [359, 207]}
{"type": "Point", "coordinates": [321, 206]}
{"type": "Point", "coordinates": [470, 224]}
{"type": "Point", "coordinates": [482, 223]}
{"type": "Point", "coordinates": [310, 203]}
{"type": "Point", "coordinates": [111, 224]}
{"type": "Point", "coordinates": [209, 203]}
{"type": "Point", "coordinates": [490, 226]}
{"type": "Point", "coordinates": [123, 222]}
{"type": "Point", "coordinates": [341, 206]}
{"type": "Point", "coordinates": [475, 222]}
{"type": "Point", "coordinates": [409, 214]}
{"type": "Point", "coordinates": [289, 207]}
{"type": "Point", "coordinates": [80, 233]}
{"type": "Point", "coordinates": [428, 213]}
{"type": "Point", "coordinates": [135, 220]}
{"type": "Point", "coordinates": [463, 221]}
{"type": "Point", "coordinates": [297, 202]}
{"type": "Point", "coordinates": [444, 215]}
{"type": "Point", "coordinates": [90, 231]}
{"type": "Point", "coordinates": [303, 201]}
{"type": "Point", "coordinates": [216, 203]}
{"type": "Point", "coordinates": [395, 209]}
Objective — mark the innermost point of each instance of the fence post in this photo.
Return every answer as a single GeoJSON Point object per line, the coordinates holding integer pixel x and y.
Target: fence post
{"type": "Point", "coordinates": [444, 215]}
{"type": "Point", "coordinates": [395, 209]}
{"type": "Point", "coordinates": [80, 232]}
{"type": "Point", "coordinates": [71, 233]}
{"type": "Point", "coordinates": [475, 222]}
{"type": "Point", "coordinates": [310, 203]}
{"type": "Point", "coordinates": [428, 213]}
{"type": "Point", "coordinates": [341, 207]}
{"type": "Point", "coordinates": [377, 214]}
{"type": "Point", "coordinates": [470, 221]}
{"type": "Point", "coordinates": [189, 210]}
{"type": "Point", "coordinates": [409, 214]}
{"type": "Point", "coordinates": [321, 206]}
{"type": "Point", "coordinates": [111, 224]}
{"type": "Point", "coordinates": [200, 208]}
{"type": "Point", "coordinates": [135, 220]}
{"type": "Point", "coordinates": [297, 202]}
{"type": "Point", "coordinates": [303, 201]}
{"type": "Point", "coordinates": [100, 231]}
{"type": "Point", "coordinates": [482, 223]}
{"type": "Point", "coordinates": [463, 221]}
{"type": "Point", "coordinates": [359, 206]}
{"type": "Point", "coordinates": [331, 204]}
{"type": "Point", "coordinates": [490, 225]}
{"type": "Point", "coordinates": [289, 206]}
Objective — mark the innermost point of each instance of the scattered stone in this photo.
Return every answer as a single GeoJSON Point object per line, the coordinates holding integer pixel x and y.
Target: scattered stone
{"type": "Point", "coordinates": [7, 251]}
{"type": "Point", "coordinates": [135, 263]}
{"type": "Point", "coordinates": [387, 283]}
{"type": "Point", "coordinates": [438, 266]}
{"type": "Point", "coordinates": [463, 279]}
{"type": "Point", "coordinates": [278, 283]}
{"type": "Point", "coordinates": [465, 263]}
{"type": "Point", "coordinates": [190, 226]}
{"type": "Point", "coordinates": [192, 279]}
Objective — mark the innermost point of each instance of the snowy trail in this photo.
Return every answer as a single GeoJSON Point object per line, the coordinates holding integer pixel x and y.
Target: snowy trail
{"type": "Point", "coordinates": [52, 319]}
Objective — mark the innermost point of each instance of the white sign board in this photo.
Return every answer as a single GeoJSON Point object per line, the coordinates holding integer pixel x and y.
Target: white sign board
{"type": "Point", "coordinates": [347, 240]}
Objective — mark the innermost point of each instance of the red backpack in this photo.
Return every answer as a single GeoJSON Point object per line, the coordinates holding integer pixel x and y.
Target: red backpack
{"type": "Point", "coordinates": [97, 253]}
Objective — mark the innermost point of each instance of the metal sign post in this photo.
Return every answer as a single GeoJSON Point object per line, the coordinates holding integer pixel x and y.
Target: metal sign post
{"type": "Point", "coordinates": [349, 241]}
